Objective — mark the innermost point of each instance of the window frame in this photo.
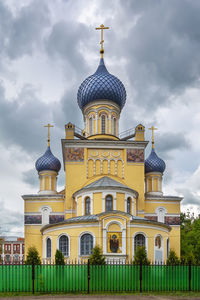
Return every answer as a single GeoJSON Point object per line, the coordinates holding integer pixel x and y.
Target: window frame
{"type": "Point", "coordinates": [47, 248]}
{"type": "Point", "coordinates": [65, 254]}
{"type": "Point", "coordinates": [107, 201]}
{"type": "Point", "coordinates": [82, 250]}
{"type": "Point", "coordinates": [87, 206]}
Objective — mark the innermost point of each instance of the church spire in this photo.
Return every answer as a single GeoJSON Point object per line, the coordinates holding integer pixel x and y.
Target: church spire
{"type": "Point", "coordinates": [102, 27]}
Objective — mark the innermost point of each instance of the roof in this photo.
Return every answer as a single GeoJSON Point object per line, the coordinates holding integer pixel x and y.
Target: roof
{"type": "Point", "coordinates": [105, 183]}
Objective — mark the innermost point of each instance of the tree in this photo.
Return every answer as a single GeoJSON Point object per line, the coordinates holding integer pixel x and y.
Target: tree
{"type": "Point", "coordinates": [97, 258]}
{"type": "Point", "coordinates": [33, 257]}
{"type": "Point", "coordinates": [140, 256]}
{"type": "Point", "coordinates": [173, 259]}
{"type": "Point", "coordinates": [59, 258]}
{"type": "Point", "coordinates": [190, 238]}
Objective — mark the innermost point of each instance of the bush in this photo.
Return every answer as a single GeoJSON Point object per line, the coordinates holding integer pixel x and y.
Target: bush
{"type": "Point", "coordinates": [140, 256]}
{"type": "Point", "coordinates": [173, 259]}
{"type": "Point", "coordinates": [33, 257]}
{"type": "Point", "coordinates": [97, 258]}
{"type": "Point", "coordinates": [59, 258]}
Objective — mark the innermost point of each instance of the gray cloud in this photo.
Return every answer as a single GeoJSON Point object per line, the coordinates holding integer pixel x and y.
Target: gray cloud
{"type": "Point", "coordinates": [10, 221]}
{"type": "Point", "coordinates": [189, 197]}
{"type": "Point", "coordinates": [172, 141]}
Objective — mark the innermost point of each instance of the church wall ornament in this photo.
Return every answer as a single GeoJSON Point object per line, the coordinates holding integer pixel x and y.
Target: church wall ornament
{"type": "Point", "coordinates": [32, 219]}
{"type": "Point", "coordinates": [74, 154]}
{"type": "Point", "coordinates": [135, 155]}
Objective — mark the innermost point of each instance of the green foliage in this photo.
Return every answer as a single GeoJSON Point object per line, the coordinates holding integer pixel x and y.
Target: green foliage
{"type": "Point", "coordinates": [59, 258]}
{"type": "Point", "coordinates": [190, 238]}
{"type": "Point", "coordinates": [173, 259]}
{"type": "Point", "coordinates": [33, 257]}
{"type": "Point", "coordinates": [97, 258]}
{"type": "Point", "coordinates": [140, 256]}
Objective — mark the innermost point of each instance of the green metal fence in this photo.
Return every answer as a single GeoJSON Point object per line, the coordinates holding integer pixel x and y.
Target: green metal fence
{"type": "Point", "coordinates": [86, 278]}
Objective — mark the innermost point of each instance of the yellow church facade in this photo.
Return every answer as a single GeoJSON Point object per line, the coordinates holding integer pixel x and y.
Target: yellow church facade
{"type": "Point", "coordinates": [112, 196]}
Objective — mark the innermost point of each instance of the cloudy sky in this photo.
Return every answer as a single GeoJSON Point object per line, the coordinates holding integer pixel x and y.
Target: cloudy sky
{"type": "Point", "coordinates": [48, 47]}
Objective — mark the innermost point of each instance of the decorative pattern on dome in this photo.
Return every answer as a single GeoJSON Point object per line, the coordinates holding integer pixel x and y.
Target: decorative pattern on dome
{"type": "Point", "coordinates": [101, 86]}
{"type": "Point", "coordinates": [154, 164]}
{"type": "Point", "coordinates": [48, 162]}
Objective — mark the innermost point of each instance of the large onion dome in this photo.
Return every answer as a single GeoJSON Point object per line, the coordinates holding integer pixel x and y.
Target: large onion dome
{"type": "Point", "coordinates": [48, 162]}
{"type": "Point", "coordinates": [154, 164]}
{"type": "Point", "coordinates": [101, 86]}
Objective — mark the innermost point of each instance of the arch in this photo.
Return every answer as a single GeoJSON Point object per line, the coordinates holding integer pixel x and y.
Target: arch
{"type": "Point", "coordinates": [63, 244]}
{"type": "Point", "coordinates": [112, 167]}
{"type": "Point", "coordinates": [86, 243]}
{"type": "Point", "coordinates": [109, 203]}
{"type": "Point", "coordinates": [114, 126]}
{"type": "Point", "coordinates": [134, 245]}
{"type": "Point", "coordinates": [103, 124]}
{"type": "Point", "coordinates": [158, 249]}
{"type": "Point", "coordinates": [90, 125]}
{"type": "Point", "coordinates": [48, 247]}
{"type": "Point", "coordinates": [45, 211]}
{"type": "Point", "coordinates": [105, 166]}
{"type": "Point", "coordinates": [97, 167]}
{"type": "Point", "coordinates": [119, 168]}
{"type": "Point", "coordinates": [90, 167]}
{"type": "Point", "coordinates": [161, 212]}
{"type": "Point", "coordinates": [128, 205]}
{"type": "Point", "coordinates": [87, 206]}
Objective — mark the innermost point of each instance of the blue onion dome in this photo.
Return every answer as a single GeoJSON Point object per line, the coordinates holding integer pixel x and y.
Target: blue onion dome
{"type": "Point", "coordinates": [154, 164]}
{"type": "Point", "coordinates": [48, 162]}
{"type": "Point", "coordinates": [101, 86]}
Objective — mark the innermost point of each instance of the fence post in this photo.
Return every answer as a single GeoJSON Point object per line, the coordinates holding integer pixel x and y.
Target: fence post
{"type": "Point", "coordinates": [33, 278]}
{"type": "Point", "coordinates": [140, 277]}
{"type": "Point", "coordinates": [88, 276]}
{"type": "Point", "coordinates": [190, 275]}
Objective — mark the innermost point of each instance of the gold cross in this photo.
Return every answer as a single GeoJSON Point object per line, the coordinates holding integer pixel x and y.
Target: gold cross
{"type": "Point", "coordinates": [48, 140]}
{"type": "Point", "coordinates": [102, 27]}
{"type": "Point", "coordinates": [152, 129]}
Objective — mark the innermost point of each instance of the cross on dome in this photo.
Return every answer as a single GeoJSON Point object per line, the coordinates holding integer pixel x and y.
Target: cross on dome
{"type": "Point", "coordinates": [48, 139]}
{"type": "Point", "coordinates": [102, 27]}
{"type": "Point", "coordinates": [153, 129]}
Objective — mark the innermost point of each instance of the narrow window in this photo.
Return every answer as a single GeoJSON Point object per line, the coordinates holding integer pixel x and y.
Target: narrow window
{"type": "Point", "coordinates": [87, 206]}
{"type": "Point", "coordinates": [129, 205]}
{"type": "Point", "coordinates": [91, 126]}
{"type": "Point", "coordinates": [64, 245]}
{"type": "Point", "coordinates": [161, 215]}
{"type": "Point", "coordinates": [139, 241]}
{"type": "Point", "coordinates": [167, 247]}
{"type": "Point", "coordinates": [86, 244]}
{"type": "Point", "coordinates": [114, 126]}
{"type": "Point", "coordinates": [103, 124]}
{"type": "Point", "coordinates": [109, 203]}
{"type": "Point", "coordinates": [48, 247]}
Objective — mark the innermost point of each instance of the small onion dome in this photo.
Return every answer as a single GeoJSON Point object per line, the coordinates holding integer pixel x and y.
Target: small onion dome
{"type": "Point", "coordinates": [154, 164]}
{"type": "Point", "coordinates": [48, 162]}
{"type": "Point", "coordinates": [101, 86]}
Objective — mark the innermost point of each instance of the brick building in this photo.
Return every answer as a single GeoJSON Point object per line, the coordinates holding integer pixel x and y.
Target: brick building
{"type": "Point", "coordinates": [11, 249]}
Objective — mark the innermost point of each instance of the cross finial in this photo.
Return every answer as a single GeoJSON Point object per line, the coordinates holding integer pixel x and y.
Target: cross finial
{"type": "Point", "coordinates": [102, 27]}
{"type": "Point", "coordinates": [48, 126]}
{"type": "Point", "coordinates": [152, 129]}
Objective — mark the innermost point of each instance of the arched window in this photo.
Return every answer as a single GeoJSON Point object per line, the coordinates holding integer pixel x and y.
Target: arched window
{"type": "Point", "coordinates": [87, 206]}
{"type": "Point", "coordinates": [158, 249]}
{"type": "Point", "coordinates": [161, 214]}
{"type": "Point", "coordinates": [139, 241]}
{"type": "Point", "coordinates": [109, 203]}
{"type": "Point", "coordinates": [90, 125]}
{"type": "Point", "coordinates": [86, 244]}
{"type": "Point", "coordinates": [48, 247]}
{"type": "Point", "coordinates": [128, 205]}
{"type": "Point", "coordinates": [64, 245]}
{"type": "Point", "coordinates": [103, 124]}
{"type": "Point", "coordinates": [114, 126]}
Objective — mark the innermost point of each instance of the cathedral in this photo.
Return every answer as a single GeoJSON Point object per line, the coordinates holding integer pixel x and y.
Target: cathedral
{"type": "Point", "coordinates": [112, 195]}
